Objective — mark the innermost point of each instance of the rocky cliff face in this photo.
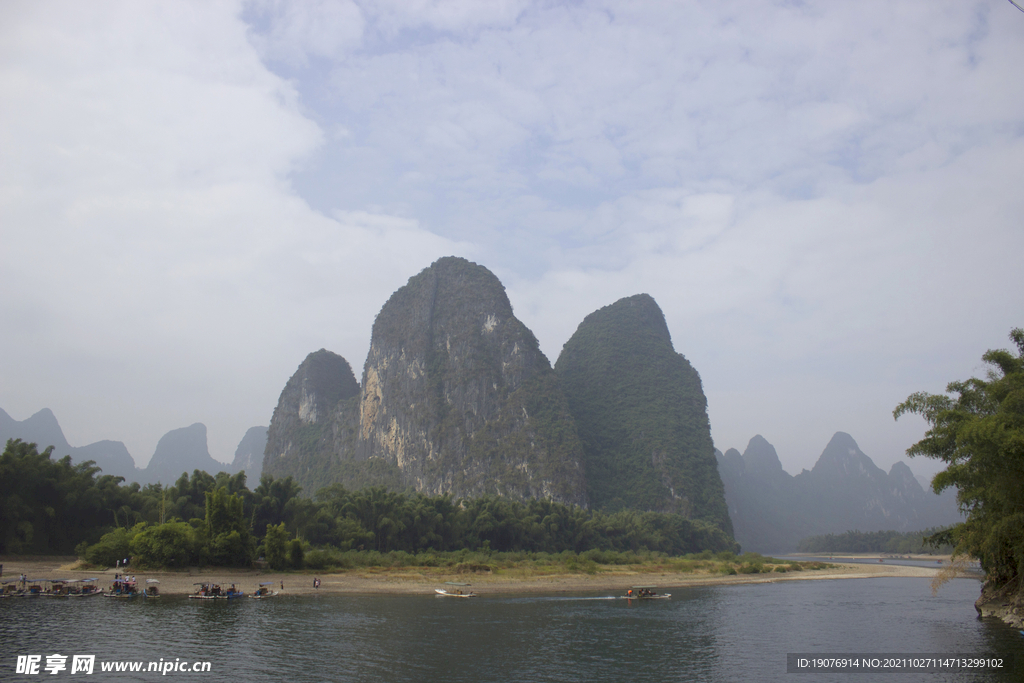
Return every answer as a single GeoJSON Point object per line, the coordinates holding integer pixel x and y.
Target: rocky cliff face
{"type": "Point", "coordinates": [249, 454]}
{"type": "Point", "coordinates": [300, 437]}
{"type": "Point", "coordinates": [772, 511]}
{"type": "Point", "coordinates": [642, 415]}
{"type": "Point", "coordinates": [456, 398]}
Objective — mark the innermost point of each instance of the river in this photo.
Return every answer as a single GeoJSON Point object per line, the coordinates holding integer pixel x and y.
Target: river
{"type": "Point", "coordinates": [711, 633]}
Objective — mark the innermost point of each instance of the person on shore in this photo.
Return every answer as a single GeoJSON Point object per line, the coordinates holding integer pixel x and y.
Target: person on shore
{"type": "Point", "coordinates": [282, 585]}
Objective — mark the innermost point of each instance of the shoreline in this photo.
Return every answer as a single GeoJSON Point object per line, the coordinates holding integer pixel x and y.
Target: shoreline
{"type": "Point", "coordinates": [414, 580]}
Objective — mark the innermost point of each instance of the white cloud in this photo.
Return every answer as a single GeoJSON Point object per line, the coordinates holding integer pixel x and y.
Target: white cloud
{"type": "Point", "coordinates": [160, 267]}
{"type": "Point", "coordinates": [392, 16]}
{"type": "Point", "coordinates": [300, 29]}
{"type": "Point", "coordinates": [819, 195]}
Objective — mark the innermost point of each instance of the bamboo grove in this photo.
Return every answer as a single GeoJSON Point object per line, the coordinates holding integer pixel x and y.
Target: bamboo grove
{"type": "Point", "coordinates": [977, 429]}
{"type": "Point", "coordinates": [54, 506]}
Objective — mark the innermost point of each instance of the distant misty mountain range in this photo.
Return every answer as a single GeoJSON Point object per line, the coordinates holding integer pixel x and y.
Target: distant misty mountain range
{"type": "Point", "coordinates": [772, 510]}
{"type": "Point", "coordinates": [178, 451]}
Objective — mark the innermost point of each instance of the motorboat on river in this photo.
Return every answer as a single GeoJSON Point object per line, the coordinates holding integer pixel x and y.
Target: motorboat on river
{"type": "Point", "coordinates": [455, 590]}
{"type": "Point", "coordinates": [645, 593]}
{"type": "Point", "coordinates": [152, 589]}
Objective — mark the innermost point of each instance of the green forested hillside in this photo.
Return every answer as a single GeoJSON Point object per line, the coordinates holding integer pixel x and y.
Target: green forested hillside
{"type": "Point", "coordinates": [641, 414]}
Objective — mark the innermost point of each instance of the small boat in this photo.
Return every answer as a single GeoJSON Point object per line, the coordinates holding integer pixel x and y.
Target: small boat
{"type": "Point", "coordinates": [152, 589]}
{"type": "Point", "coordinates": [10, 589]}
{"type": "Point", "coordinates": [84, 588]}
{"type": "Point", "coordinates": [455, 590]}
{"type": "Point", "coordinates": [263, 591]}
{"type": "Point", "coordinates": [645, 593]}
{"type": "Point", "coordinates": [58, 588]}
{"type": "Point", "coordinates": [213, 591]}
{"type": "Point", "coordinates": [123, 588]}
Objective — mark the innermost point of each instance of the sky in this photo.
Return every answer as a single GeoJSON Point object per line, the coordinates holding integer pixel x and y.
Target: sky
{"type": "Point", "coordinates": [824, 198]}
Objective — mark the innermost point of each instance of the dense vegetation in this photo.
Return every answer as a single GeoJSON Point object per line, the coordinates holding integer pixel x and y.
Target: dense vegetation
{"type": "Point", "coordinates": [57, 507]}
{"type": "Point", "coordinates": [641, 415]}
{"type": "Point", "coordinates": [977, 429]}
{"type": "Point", "coordinates": [895, 542]}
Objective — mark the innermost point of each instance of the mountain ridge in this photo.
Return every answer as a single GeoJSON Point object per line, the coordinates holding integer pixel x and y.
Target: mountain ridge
{"type": "Point", "coordinates": [113, 458]}
{"type": "Point", "coordinates": [772, 510]}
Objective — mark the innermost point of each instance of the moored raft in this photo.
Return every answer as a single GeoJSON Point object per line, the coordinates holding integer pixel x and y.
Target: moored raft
{"type": "Point", "coordinates": [84, 588]}
{"type": "Point", "coordinates": [152, 589]}
{"type": "Point", "coordinates": [213, 591]}
{"type": "Point", "coordinates": [263, 591]}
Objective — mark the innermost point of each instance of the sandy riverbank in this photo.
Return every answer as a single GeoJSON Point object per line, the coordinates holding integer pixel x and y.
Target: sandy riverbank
{"type": "Point", "coordinates": [421, 580]}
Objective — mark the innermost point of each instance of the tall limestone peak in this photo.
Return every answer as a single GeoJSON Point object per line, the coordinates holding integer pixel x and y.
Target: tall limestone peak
{"type": "Point", "coordinates": [842, 459]}
{"type": "Point", "coordinates": [642, 415]}
{"type": "Point", "coordinates": [181, 451]}
{"type": "Point", "coordinates": [458, 396]}
{"type": "Point", "coordinates": [301, 426]}
{"type": "Point", "coordinates": [41, 428]}
{"type": "Point", "coordinates": [760, 455]}
{"type": "Point", "coordinates": [901, 477]}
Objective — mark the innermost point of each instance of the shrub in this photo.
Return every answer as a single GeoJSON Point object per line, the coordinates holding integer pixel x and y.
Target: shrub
{"type": "Point", "coordinates": [112, 547]}
{"type": "Point", "coordinates": [173, 544]}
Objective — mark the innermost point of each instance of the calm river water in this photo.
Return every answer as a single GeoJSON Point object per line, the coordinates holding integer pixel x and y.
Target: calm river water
{"type": "Point", "coordinates": [715, 633]}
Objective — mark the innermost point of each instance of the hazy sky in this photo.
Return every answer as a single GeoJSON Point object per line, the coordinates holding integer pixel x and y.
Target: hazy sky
{"type": "Point", "coordinates": [824, 197]}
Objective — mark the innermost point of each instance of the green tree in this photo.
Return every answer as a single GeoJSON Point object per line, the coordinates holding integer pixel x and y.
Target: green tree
{"type": "Point", "coordinates": [273, 501]}
{"type": "Point", "coordinates": [978, 431]}
{"type": "Point", "coordinates": [275, 546]}
{"type": "Point", "coordinates": [296, 553]}
{"type": "Point", "coordinates": [173, 544]}
{"type": "Point", "coordinates": [229, 540]}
